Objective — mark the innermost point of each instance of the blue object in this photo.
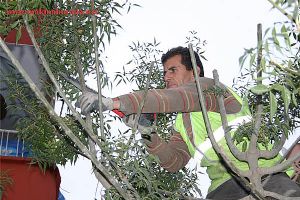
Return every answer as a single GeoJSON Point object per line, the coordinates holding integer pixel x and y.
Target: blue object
{"type": "Point", "coordinates": [61, 196]}
{"type": "Point", "coordinates": [13, 148]}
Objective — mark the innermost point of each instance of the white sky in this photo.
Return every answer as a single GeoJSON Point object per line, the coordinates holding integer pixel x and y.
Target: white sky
{"type": "Point", "coordinates": [227, 26]}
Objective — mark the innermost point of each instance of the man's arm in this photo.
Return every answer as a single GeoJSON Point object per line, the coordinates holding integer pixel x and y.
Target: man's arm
{"type": "Point", "coordinates": [173, 155]}
{"type": "Point", "coordinates": [182, 99]}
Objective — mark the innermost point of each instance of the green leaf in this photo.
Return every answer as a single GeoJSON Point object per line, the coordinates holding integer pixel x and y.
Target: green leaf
{"type": "Point", "coordinates": [252, 59]}
{"type": "Point", "coordinates": [277, 87]}
{"type": "Point", "coordinates": [296, 12]}
{"type": "Point", "coordinates": [19, 33]}
{"type": "Point", "coordinates": [267, 47]}
{"type": "Point", "coordinates": [286, 95]}
{"type": "Point", "coordinates": [276, 41]}
{"type": "Point", "coordinates": [14, 25]}
{"type": "Point", "coordinates": [273, 105]}
{"type": "Point", "coordinates": [244, 146]}
{"type": "Point", "coordinates": [286, 36]}
{"type": "Point", "coordinates": [274, 36]}
{"type": "Point", "coordinates": [294, 99]}
{"type": "Point", "coordinates": [259, 89]}
{"type": "Point", "coordinates": [263, 64]}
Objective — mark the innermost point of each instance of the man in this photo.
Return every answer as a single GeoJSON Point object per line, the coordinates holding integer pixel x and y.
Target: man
{"type": "Point", "coordinates": [189, 137]}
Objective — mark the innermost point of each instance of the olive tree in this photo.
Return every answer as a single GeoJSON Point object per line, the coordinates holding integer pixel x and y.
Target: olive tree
{"type": "Point", "coordinates": [70, 47]}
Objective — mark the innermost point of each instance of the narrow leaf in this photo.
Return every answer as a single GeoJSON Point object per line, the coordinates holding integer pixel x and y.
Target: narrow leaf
{"type": "Point", "coordinates": [259, 89]}
{"type": "Point", "coordinates": [244, 146]}
{"type": "Point", "coordinates": [286, 95]}
{"type": "Point", "coordinates": [273, 105]}
{"type": "Point", "coordinates": [19, 33]}
{"type": "Point", "coordinates": [277, 87]}
{"type": "Point", "coordinates": [294, 100]}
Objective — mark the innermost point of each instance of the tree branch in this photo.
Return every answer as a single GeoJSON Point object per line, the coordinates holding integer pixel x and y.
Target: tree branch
{"type": "Point", "coordinates": [278, 196]}
{"type": "Point", "coordinates": [219, 150]}
{"type": "Point", "coordinates": [234, 150]}
{"type": "Point", "coordinates": [275, 150]}
{"type": "Point", "coordinates": [280, 167]}
{"type": "Point", "coordinates": [134, 129]}
{"type": "Point", "coordinates": [66, 129]}
{"type": "Point", "coordinates": [294, 72]}
{"type": "Point", "coordinates": [89, 121]}
{"type": "Point", "coordinates": [138, 114]}
{"type": "Point", "coordinates": [282, 11]}
{"type": "Point", "coordinates": [97, 64]}
{"type": "Point", "coordinates": [61, 93]}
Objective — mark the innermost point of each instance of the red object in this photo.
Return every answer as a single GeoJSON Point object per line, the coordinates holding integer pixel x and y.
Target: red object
{"type": "Point", "coordinates": [29, 181]}
{"type": "Point", "coordinates": [119, 113]}
{"type": "Point", "coordinates": [24, 39]}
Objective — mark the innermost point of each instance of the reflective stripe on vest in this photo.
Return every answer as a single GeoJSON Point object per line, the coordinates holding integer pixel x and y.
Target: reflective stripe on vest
{"type": "Point", "coordinates": [218, 135]}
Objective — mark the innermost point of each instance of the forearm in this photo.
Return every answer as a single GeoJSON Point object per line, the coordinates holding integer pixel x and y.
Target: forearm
{"type": "Point", "coordinates": [181, 99]}
{"type": "Point", "coordinates": [173, 155]}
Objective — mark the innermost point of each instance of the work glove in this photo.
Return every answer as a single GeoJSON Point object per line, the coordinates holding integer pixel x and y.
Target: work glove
{"type": "Point", "coordinates": [89, 102]}
{"type": "Point", "coordinates": [146, 131]}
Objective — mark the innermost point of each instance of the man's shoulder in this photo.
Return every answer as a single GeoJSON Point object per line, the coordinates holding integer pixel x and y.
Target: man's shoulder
{"type": "Point", "coordinates": [203, 81]}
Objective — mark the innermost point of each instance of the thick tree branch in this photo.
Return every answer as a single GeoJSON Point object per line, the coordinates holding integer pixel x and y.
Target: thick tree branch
{"type": "Point", "coordinates": [253, 152]}
{"type": "Point", "coordinates": [219, 150]}
{"type": "Point", "coordinates": [89, 121]}
{"type": "Point", "coordinates": [66, 129]}
{"type": "Point", "coordinates": [278, 196]}
{"type": "Point", "coordinates": [280, 167]}
{"type": "Point", "coordinates": [275, 150]}
{"type": "Point", "coordinates": [234, 150]}
{"type": "Point", "coordinates": [88, 116]}
{"type": "Point", "coordinates": [61, 93]}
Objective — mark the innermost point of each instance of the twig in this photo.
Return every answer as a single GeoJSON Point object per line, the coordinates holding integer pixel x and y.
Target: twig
{"type": "Point", "coordinates": [88, 116]}
{"type": "Point", "coordinates": [97, 64]}
{"type": "Point", "coordinates": [138, 114]}
{"type": "Point", "coordinates": [89, 122]}
{"type": "Point", "coordinates": [134, 129]}
{"type": "Point", "coordinates": [282, 11]}
{"type": "Point", "coordinates": [272, 62]}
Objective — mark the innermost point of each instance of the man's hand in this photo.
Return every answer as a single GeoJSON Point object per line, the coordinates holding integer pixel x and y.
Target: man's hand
{"type": "Point", "coordinates": [146, 132]}
{"type": "Point", "coordinates": [89, 102]}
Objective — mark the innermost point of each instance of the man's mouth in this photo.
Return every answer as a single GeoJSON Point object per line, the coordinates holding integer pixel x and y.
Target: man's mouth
{"type": "Point", "coordinates": [172, 85]}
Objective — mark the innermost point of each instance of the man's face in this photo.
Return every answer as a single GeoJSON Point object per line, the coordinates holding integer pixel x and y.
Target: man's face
{"type": "Point", "coordinates": [175, 73]}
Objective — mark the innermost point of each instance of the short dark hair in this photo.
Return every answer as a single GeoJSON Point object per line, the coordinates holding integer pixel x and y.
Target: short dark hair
{"type": "Point", "coordinates": [185, 58]}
